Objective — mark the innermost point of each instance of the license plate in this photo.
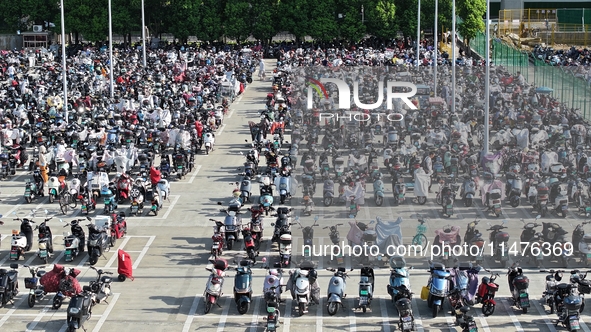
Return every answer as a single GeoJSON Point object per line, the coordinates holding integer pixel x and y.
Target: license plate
{"type": "Point", "coordinates": [379, 258]}
{"type": "Point", "coordinates": [450, 206]}
{"type": "Point", "coordinates": [401, 195]}
{"type": "Point", "coordinates": [180, 167]}
{"type": "Point", "coordinates": [13, 255]}
{"type": "Point", "coordinates": [524, 302]}
{"type": "Point", "coordinates": [589, 255]}
{"type": "Point", "coordinates": [407, 319]}
{"type": "Point", "coordinates": [564, 208]}
{"type": "Point", "coordinates": [574, 324]}
{"type": "Point", "coordinates": [363, 293]}
{"type": "Point", "coordinates": [588, 209]}
{"type": "Point", "coordinates": [68, 252]}
{"type": "Point", "coordinates": [83, 208]}
{"type": "Point", "coordinates": [42, 254]}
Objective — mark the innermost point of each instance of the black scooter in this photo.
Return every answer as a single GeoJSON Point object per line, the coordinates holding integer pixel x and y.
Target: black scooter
{"type": "Point", "coordinates": [75, 242]}
{"type": "Point", "coordinates": [98, 243]}
{"type": "Point", "coordinates": [80, 309]}
{"type": "Point", "coordinates": [45, 240]}
{"type": "Point", "coordinates": [8, 284]}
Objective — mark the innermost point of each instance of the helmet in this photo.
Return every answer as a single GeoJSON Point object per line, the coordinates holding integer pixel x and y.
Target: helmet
{"type": "Point", "coordinates": [313, 275]}
{"type": "Point", "coordinates": [485, 280]}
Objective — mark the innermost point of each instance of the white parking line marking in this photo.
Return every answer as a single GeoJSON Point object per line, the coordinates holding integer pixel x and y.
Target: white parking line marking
{"type": "Point", "coordinates": [352, 318]}
{"type": "Point", "coordinates": [230, 114]}
{"type": "Point", "coordinates": [114, 257]}
{"type": "Point", "coordinates": [9, 212]}
{"type": "Point", "coordinates": [319, 317]}
{"type": "Point", "coordinates": [101, 321]}
{"type": "Point", "coordinates": [222, 323]}
{"type": "Point", "coordinates": [143, 253]}
{"type": "Point", "coordinates": [542, 313]}
{"type": "Point", "coordinates": [197, 169]}
{"type": "Point", "coordinates": [174, 201]}
{"type": "Point", "coordinates": [83, 261]}
{"type": "Point", "coordinates": [37, 319]}
{"type": "Point", "coordinates": [51, 314]}
{"type": "Point", "coordinates": [321, 258]}
{"type": "Point", "coordinates": [385, 318]}
{"type": "Point", "coordinates": [512, 316]}
{"type": "Point", "coordinates": [416, 314]}
{"type": "Point", "coordinates": [583, 325]}
{"type": "Point", "coordinates": [483, 322]}
{"type": "Point", "coordinates": [192, 311]}
{"type": "Point", "coordinates": [288, 314]}
{"type": "Point", "coordinates": [255, 315]}
{"type": "Point", "coordinates": [221, 130]}
{"type": "Point", "coordinates": [11, 311]}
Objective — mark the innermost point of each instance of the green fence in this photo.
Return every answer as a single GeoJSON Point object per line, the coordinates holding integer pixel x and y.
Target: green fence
{"type": "Point", "coordinates": [570, 84]}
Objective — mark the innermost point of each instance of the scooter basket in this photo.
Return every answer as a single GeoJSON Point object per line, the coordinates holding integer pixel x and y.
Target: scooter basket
{"type": "Point", "coordinates": [584, 286]}
{"type": "Point", "coordinates": [572, 302]}
{"type": "Point", "coordinates": [3, 157]}
{"type": "Point", "coordinates": [31, 283]}
{"type": "Point", "coordinates": [521, 282]}
{"type": "Point", "coordinates": [502, 237]}
{"type": "Point", "coordinates": [369, 236]}
{"type": "Point", "coordinates": [220, 264]}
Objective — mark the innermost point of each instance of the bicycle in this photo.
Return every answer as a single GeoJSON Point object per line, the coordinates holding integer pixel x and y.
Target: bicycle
{"type": "Point", "coordinates": [420, 238]}
{"type": "Point", "coordinates": [66, 201]}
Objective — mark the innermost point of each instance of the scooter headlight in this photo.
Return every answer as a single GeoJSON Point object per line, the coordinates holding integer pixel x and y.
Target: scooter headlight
{"type": "Point", "coordinates": [73, 311]}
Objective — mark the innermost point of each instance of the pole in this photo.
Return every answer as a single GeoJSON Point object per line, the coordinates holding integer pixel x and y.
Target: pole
{"type": "Point", "coordinates": [487, 80]}
{"type": "Point", "coordinates": [64, 70]}
{"type": "Point", "coordinates": [362, 14]}
{"type": "Point", "coordinates": [435, 49]}
{"type": "Point", "coordinates": [453, 57]}
{"type": "Point", "coordinates": [111, 82]}
{"type": "Point", "coordinates": [418, 32]}
{"type": "Point", "coordinates": [143, 34]}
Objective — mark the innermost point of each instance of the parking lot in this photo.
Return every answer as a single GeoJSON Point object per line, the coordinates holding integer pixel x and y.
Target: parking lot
{"type": "Point", "coordinates": [170, 253]}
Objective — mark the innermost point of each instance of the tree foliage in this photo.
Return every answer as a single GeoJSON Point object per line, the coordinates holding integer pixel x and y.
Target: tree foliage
{"type": "Point", "coordinates": [210, 20]}
{"type": "Point", "coordinates": [471, 12]}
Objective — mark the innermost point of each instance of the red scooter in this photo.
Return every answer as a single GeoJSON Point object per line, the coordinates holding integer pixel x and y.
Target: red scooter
{"type": "Point", "coordinates": [124, 185]}
{"type": "Point", "coordinates": [486, 293]}
{"type": "Point", "coordinates": [250, 244]}
{"type": "Point", "coordinates": [446, 238]}
{"type": "Point", "coordinates": [119, 226]}
{"type": "Point", "coordinates": [218, 238]}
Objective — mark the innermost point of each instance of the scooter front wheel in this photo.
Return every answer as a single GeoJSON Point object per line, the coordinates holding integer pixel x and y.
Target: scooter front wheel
{"type": "Point", "coordinates": [207, 307]}
{"type": "Point", "coordinates": [332, 308]}
{"type": "Point", "coordinates": [28, 200]}
{"type": "Point", "coordinates": [31, 300]}
{"type": "Point", "coordinates": [422, 200]}
{"type": "Point", "coordinates": [467, 202]}
{"type": "Point", "coordinates": [488, 309]}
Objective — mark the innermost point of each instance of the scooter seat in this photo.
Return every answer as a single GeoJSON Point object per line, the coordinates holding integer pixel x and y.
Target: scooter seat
{"type": "Point", "coordinates": [465, 309]}
{"type": "Point", "coordinates": [106, 279]}
{"type": "Point", "coordinates": [12, 275]}
{"type": "Point", "coordinates": [40, 273]}
{"type": "Point", "coordinates": [3, 272]}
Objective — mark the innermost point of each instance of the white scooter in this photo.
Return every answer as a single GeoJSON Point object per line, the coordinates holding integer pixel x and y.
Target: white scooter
{"type": "Point", "coordinates": [302, 280]}
{"type": "Point", "coordinates": [159, 195]}
{"type": "Point", "coordinates": [53, 187]}
{"type": "Point", "coordinates": [208, 142]}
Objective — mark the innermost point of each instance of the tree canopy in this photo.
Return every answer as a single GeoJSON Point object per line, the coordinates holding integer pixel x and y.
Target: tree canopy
{"type": "Point", "coordinates": [212, 20]}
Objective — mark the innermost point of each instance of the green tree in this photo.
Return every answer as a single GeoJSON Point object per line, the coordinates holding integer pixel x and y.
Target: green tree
{"type": "Point", "coordinates": [237, 23]}
{"type": "Point", "coordinates": [323, 20]}
{"type": "Point", "coordinates": [471, 13]}
{"type": "Point", "coordinates": [210, 26]}
{"type": "Point", "coordinates": [264, 14]}
{"type": "Point", "coordinates": [126, 17]}
{"type": "Point", "coordinates": [350, 24]}
{"type": "Point", "coordinates": [87, 18]}
{"type": "Point", "coordinates": [381, 18]}
{"type": "Point", "coordinates": [295, 17]}
{"type": "Point", "coordinates": [23, 14]}
{"type": "Point", "coordinates": [182, 18]}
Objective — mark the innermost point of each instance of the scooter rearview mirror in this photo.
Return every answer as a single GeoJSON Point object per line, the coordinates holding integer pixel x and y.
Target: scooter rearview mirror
{"type": "Point", "coordinates": [89, 218]}
{"type": "Point", "coordinates": [219, 203]}
{"type": "Point", "coordinates": [538, 216]}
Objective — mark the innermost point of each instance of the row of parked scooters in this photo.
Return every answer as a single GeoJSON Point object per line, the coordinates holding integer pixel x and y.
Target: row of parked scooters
{"type": "Point", "coordinates": [103, 234]}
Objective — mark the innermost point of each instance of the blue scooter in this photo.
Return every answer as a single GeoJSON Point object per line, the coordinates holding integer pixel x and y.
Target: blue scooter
{"type": "Point", "coordinates": [438, 286]}
{"type": "Point", "coordinates": [243, 286]}
{"type": "Point", "coordinates": [266, 198]}
{"type": "Point", "coordinates": [378, 188]}
{"type": "Point", "coordinates": [399, 278]}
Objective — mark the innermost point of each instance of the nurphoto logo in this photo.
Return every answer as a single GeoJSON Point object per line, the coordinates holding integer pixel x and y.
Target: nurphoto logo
{"type": "Point", "coordinates": [345, 93]}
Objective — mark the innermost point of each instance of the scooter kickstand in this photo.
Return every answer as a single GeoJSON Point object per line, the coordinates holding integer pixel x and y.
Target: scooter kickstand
{"type": "Point", "coordinates": [218, 305]}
